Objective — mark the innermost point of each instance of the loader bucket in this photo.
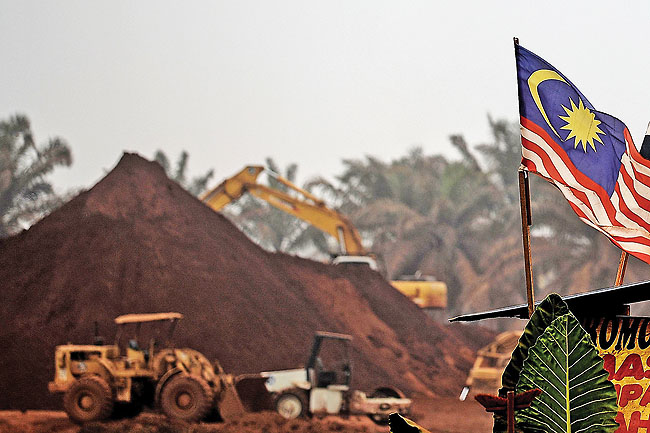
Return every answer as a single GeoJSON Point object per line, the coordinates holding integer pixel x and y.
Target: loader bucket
{"type": "Point", "coordinates": [229, 405]}
{"type": "Point", "coordinates": [253, 393]}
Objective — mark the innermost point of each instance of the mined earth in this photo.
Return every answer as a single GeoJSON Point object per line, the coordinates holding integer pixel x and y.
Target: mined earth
{"type": "Point", "coordinates": [137, 242]}
{"type": "Point", "coordinates": [439, 415]}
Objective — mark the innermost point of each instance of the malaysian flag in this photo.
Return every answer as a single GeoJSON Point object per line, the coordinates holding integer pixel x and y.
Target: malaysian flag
{"type": "Point", "coordinates": [587, 154]}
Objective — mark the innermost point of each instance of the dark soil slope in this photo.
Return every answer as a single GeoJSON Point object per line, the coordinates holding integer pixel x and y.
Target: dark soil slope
{"type": "Point", "coordinates": [137, 242]}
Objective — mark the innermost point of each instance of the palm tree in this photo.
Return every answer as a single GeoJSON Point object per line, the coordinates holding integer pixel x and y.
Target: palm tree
{"type": "Point", "coordinates": [420, 213]}
{"type": "Point", "coordinates": [179, 173]}
{"type": "Point", "coordinates": [25, 193]}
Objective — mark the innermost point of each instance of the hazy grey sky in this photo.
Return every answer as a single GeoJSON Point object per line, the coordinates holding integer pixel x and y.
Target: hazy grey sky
{"type": "Point", "coordinates": [301, 81]}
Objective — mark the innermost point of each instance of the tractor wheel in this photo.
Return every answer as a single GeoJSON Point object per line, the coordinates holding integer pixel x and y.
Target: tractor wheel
{"type": "Point", "coordinates": [188, 398]}
{"type": "Point", "coordinates": [291, 404]}
{"type": "Point", "coordinates": [88, 399]}
{"type": "Point", "coordinates": [383, 393]}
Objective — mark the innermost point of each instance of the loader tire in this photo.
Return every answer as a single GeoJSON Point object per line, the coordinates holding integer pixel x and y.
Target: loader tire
{"type": "Point", "coordinates": [88, 399]}
{"type": "Point", "coordinates": [291, 404]}
{"type": "Point", "coordinates": [187, 398]}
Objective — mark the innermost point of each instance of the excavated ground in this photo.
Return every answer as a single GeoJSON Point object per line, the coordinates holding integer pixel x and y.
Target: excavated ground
{"type": "Point", "coordinates": [440, 415]}
{"type": "Point", "coordinates": [137, 242]}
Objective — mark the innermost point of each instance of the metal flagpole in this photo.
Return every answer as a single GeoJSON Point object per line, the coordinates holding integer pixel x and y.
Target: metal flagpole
{"type": "Point", "coordinates": [526, 222]}
{"type": "Point", "coordinates": [622, 265]}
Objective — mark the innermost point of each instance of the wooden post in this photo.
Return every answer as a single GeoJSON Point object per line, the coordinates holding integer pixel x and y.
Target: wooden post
{"type": "Point", "coordinates": [526, 222]}
{"type": "Point", "coordinates": [511, 411]}
{"type": "Point", "coordinates": [622, 265]}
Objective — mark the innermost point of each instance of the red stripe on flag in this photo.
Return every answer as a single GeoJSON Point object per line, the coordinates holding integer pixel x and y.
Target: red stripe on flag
{"type": "Point", "coordinates": [553, 173]}
{"type": "Point", "coordinates": [640, 200]}
{"type": "Point", "coordinates": [584, 181]}
{"type": "Point", "coordinates": [640, 177]}
{"type": "Point", "coordinates": [580, 177]}
{"type": "Point", "coordinates": [631, 215]}
{"type": "Point", "coordinates": [634, 154]}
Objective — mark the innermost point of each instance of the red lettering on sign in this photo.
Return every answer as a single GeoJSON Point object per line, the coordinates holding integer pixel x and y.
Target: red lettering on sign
{"type": "Point", "coordinates": [629, 392]}
{"type": "Point", "coordinates": [647, 372]}
{"type": "Point", "coordinates": [632, 367]}
{"type": "Point", "coordinates": [646, 398]}
{"type": "Point", "coordinates": [635, 423]}
{"type": "Point", "coordinates": [609, 364]}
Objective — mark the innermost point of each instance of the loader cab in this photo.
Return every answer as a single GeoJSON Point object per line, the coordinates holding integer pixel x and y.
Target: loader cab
{"type": "Point", "coordinates": [138, 335]}
{"type": "Point", "coordinates": [329, 363]}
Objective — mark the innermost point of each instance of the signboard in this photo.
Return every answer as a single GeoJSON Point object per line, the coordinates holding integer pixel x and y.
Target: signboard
{"type": "Point", "coordinates": [624, 344]}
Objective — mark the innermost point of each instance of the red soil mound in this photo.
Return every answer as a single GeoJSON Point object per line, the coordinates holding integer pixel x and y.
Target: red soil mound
{"type": "Point", "coordinates": [137, 242]}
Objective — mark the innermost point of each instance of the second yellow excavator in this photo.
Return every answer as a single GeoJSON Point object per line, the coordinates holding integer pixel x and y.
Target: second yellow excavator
{"type": "Point", "coordinates": [427, 293]}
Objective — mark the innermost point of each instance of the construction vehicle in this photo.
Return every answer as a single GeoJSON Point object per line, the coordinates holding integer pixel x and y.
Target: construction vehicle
{"type": "Point", "coordinates": [425, 292]}
{"type": "Point", "coordinates": [100, 381]}
{"type": "Point", "coordinates": [323, 385]}
{"type": "Point", "coordinates": [491, 360]}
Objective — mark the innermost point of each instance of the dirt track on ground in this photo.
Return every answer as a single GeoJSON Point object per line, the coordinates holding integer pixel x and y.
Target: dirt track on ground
{"type": "Point", "coordinates": [443, 415]}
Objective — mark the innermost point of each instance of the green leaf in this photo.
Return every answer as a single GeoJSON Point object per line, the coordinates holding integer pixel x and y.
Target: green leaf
{"type": "Point", "coordinates": [577, 397]}
{"type": "Point", "coordinates": [546, 312]}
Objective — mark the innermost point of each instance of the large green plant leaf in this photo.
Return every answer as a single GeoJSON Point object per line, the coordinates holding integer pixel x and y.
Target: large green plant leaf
{"type": "Point", "coordinates": [577, 397]}
{"type": "Point", "coordinates": [548, 310]}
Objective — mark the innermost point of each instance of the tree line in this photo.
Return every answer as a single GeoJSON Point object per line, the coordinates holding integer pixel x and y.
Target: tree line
{"type": "Point", "coordinates": [457, 219]}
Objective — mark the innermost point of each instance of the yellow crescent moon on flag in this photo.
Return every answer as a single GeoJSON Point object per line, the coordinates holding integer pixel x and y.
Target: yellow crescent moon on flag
{"type": "Point", "coordinates": [537, 78]}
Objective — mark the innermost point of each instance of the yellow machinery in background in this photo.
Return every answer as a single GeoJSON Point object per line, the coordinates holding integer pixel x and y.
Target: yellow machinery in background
{"type": "Point", "coordinates": [426, 293]}
{"type": "Point", "coordinates": [99, 381]}
{"type": "Point", "coordinates": [308, 207]}
{"type": "Point", "coordinates": [491, 360]}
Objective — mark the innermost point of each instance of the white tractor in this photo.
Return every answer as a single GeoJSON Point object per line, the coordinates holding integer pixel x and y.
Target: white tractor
{"type": "Point", "coordinates": [323, 386]}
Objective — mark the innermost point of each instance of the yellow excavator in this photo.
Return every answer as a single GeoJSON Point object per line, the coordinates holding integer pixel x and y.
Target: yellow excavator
{"type": "Point", "coordinates": [425, 292]}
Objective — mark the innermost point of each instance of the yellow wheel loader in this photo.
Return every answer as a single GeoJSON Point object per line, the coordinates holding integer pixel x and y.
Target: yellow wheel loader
{"type": "Point", "coordinates": [101, 381]}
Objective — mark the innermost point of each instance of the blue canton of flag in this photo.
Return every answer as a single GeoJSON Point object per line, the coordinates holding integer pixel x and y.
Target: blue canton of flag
{"type": "Point", "coordinates": [587, 154]}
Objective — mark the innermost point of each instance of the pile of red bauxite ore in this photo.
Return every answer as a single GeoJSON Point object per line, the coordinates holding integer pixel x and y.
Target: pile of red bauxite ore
{"type": "Point", "coordinates": [137, 242]}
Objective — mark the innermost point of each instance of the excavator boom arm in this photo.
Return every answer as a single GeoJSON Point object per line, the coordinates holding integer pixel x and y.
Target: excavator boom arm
{"type": "Point", "coordinates": [307, 207]}
{"type": "Point", "coordinates": [232, 188]}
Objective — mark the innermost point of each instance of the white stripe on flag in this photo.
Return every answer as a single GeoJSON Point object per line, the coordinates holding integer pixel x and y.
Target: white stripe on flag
{"type": "Point", "coordinates": [566, 191]}
{"type": "Point", "coordinates": [639, 167]}
{"type": "Point", "coordinates": [594, 201]}
{"type": "Point", "coordinates": [631, 246]}
{"type": "Point", "coordinates": [620, 216]}
{"type": "Point", "coordinates": [625, 228]}
{"type": "Point", "coordinates": [630, 201]}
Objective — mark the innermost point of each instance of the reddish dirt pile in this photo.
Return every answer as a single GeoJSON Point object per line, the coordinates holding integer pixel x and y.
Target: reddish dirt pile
{"type": "Point", "coordinates": [137, 242]}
